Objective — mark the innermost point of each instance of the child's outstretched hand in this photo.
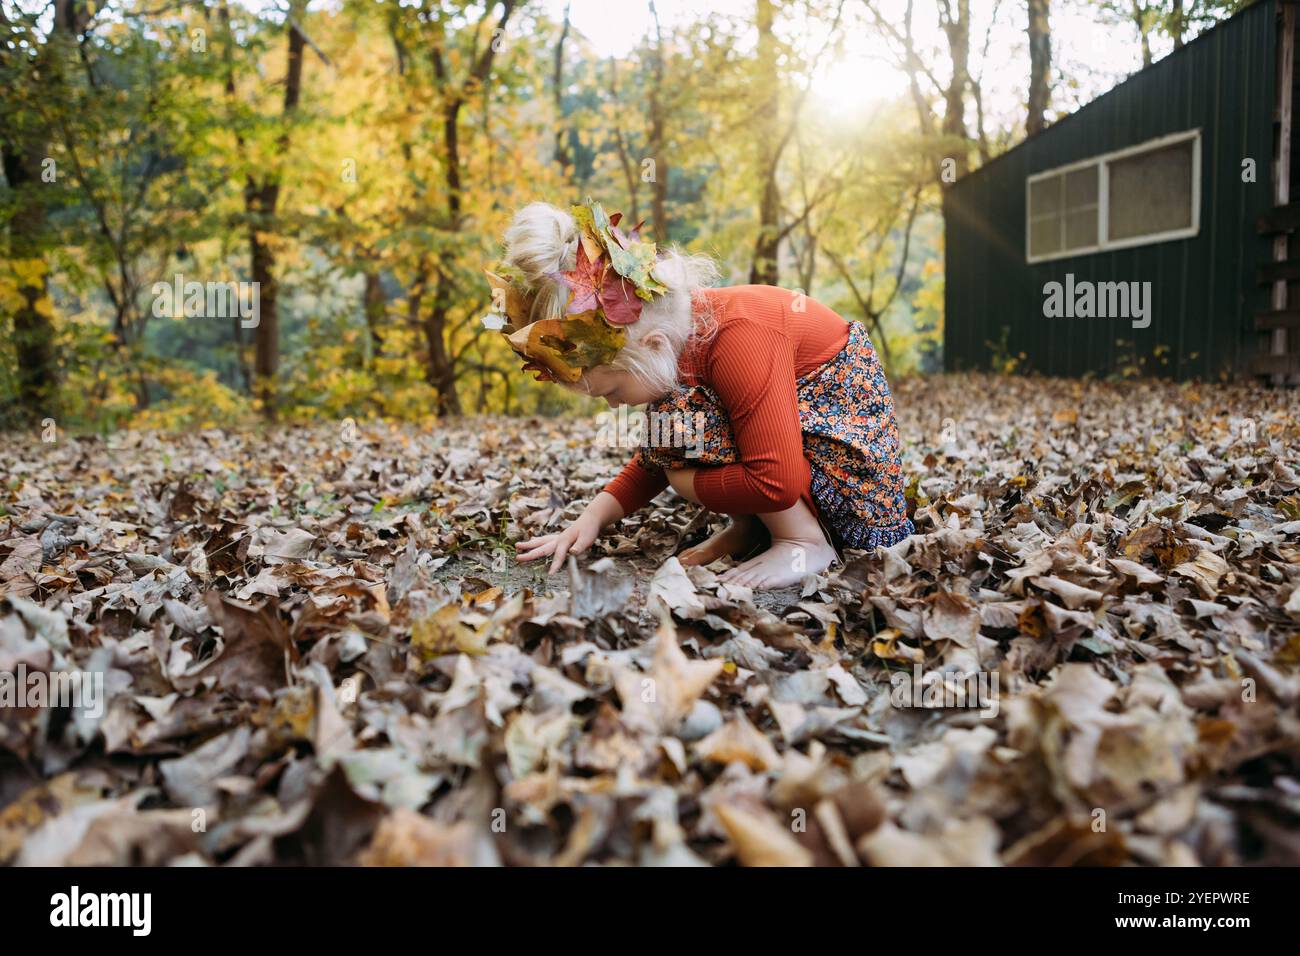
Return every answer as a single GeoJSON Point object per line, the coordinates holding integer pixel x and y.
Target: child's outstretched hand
{"type": "Point", "coordinates": [577, 537]}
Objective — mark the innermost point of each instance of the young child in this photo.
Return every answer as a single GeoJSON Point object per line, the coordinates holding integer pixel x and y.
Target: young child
{"type": "Point", "coordinates": [800, 444]}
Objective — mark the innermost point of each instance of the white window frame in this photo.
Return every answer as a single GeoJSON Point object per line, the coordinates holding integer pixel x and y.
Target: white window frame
{"type": "Point", "coordinates": [1103, 161]}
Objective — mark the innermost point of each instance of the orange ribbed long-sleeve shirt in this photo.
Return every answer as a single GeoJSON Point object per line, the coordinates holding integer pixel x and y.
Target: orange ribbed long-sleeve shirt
{"type": "Point", "coordinates": [767, 338]}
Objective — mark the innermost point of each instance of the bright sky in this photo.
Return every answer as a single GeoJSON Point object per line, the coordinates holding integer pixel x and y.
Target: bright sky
{"type": "Point", "coordinates": [1093, 55]}
{"type": "Point", "coordinates": [1097, 56]}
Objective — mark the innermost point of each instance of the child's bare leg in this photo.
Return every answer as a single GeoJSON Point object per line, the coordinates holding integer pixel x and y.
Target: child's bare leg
{"type": "Point", "coordinates": [742, 535]}
{"type": "Point", "coordinates": [798, 547]}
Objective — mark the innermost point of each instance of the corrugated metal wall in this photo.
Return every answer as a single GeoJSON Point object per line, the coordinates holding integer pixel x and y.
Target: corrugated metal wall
{"type": "Point", "coordinates": [1203, 288]}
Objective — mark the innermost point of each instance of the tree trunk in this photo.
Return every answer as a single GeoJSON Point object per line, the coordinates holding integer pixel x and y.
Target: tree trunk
{"type": "Point", "coordinates": [266, 337]}
{"type": "Point", "coordinates": [241, 354]}
{"type": "Point", "coordinates": [954, 117]}
{"type": "Point", "coordinates": [1144, 31]}
{"type": "Point", "coordinates": [236, 323]}
{"type": "Point", "coordinates": [22, 151]}
{"type": "Point", "coordinates": [374, 305]}
{"type": "Point", "coordinates": [562, 158]}
{"type": "Point", "coordinates": [981, 135]}
{"type": "Point", "coordinates": [33, 331]}
{"type": "Point", "coordinates": [440, 372]}
{"type": "Point", "coordinates": [440, 368]}
{"type": "Point", "coordinates": [659, 184]}
{"type": "Point", "coordinates": [261, 201]}
{"type": "Point", "coordinates": [765, 269]}
{"type": "Point", "coordinates": [1040, 66]}
{"type": "Point", "coordinates": [914, 67]}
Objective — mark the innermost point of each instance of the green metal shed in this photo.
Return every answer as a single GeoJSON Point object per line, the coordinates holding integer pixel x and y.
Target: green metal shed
{"type": "Point", "coordinates": [1149, 229]}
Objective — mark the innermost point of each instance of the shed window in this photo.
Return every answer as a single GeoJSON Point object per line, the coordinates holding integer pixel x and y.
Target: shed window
{"type": "Point", "coordinates": [1063, 212]}
{"type": "Point", "coordinates": [1151, 192]}
{"type": "Point", "coordinates": [1147, 193]}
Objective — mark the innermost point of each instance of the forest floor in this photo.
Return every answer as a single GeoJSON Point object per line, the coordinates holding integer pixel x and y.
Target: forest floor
{"type": "Point", "coordinates": [313, 645]}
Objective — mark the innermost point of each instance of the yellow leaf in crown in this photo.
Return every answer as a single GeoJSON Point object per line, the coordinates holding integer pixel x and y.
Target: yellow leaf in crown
{"type": "Point", "coordinates": [591, 244]}
{"type": "Point", "coordinates": [506, 298]}
{"type": "Point", "coordinates": [587, 231]}
{"type": "Point", "coordinates": [568, 346]}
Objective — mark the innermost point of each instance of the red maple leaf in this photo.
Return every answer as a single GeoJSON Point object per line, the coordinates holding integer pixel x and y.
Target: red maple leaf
{"type": "Point", "coordinates": [619, 300]}
{"type": "Point", "coordinates": [584, 282]}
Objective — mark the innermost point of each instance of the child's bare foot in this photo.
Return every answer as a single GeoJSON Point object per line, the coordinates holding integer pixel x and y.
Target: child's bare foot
{"type": "Point", "coordinates": [742, 535]}
{"type": "Point", "coordinates": [783, 564]}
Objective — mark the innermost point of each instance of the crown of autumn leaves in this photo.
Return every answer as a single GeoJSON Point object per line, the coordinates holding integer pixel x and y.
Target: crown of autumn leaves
{"type": "Point", "coordinates": [606, 290]}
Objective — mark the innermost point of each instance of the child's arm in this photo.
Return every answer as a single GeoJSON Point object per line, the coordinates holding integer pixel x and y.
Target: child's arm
{"type": "Point", "coordinates": [753, 372]}
{"type": "Point", "coordinates": [637, 484]}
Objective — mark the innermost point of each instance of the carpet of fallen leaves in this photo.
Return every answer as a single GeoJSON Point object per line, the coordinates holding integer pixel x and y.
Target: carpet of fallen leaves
{"type": "Point", "coordinates": [316, 648]}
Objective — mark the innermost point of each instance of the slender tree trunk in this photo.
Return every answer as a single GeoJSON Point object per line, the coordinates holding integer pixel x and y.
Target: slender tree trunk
{"type": "Point", "coordinates": [659, 184]}
{"type": "Point", "coordinates": [440, 368]}
{"type": "Point", "coordinates": [808, 267]}
{"type": "Point", "coordinates": [262, 200]}
{"type": "Point", "coordinates": [1040, 66]}
{"type": "Point", "coordinates": [977, 87]}
{"type": "Point", "coordinates": [241, 359]}
{"type": "Point", "coordinates": [33, 330]}
{"type": "Point", "coordinates": [1144, 31]}
{"type": "Point", "coordinates": [375, 305]}
{"type": "Point", "coordinates": [765, 269]}
{"type": "Point", "coordinates": [981, 135]}
{"type": "Point", "coordinates": [562, 157]}
{"type": "Point", "coordinates": [924, 115]}
{"type": "Point", "coordinates": [957, 30]}
{"type": "Point", "coordinates": [236, 323]}
{"type": "Point", "coordinates": [439, 372]}
{"type": "Point", "coordinates": [266, 337]}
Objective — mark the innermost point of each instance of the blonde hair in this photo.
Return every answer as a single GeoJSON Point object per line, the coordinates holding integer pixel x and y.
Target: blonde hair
{"type": "Point", "coordinates": [542, 240]}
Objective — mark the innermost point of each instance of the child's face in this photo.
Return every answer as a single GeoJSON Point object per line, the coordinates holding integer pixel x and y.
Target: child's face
{"type": "Point", "coordinates": [616, 386]}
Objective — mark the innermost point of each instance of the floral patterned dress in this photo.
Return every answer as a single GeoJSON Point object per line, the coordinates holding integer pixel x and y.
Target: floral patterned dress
{"type": "Point", "coordinates": [850, 437]}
